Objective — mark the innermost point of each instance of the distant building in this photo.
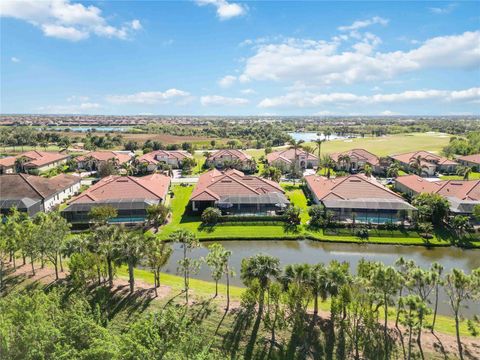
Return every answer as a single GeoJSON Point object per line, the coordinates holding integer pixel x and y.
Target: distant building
{"type": "Point", "coordinates": [32, 160]}
{"type": "Point", "coordinates": [285, 158]}
{"type": "Point", "coordinates": [92, 160]}
{"type": "Point", "coordinates": [130, 196]}
{"type": "Point", "coordinates": [472, 161]}
{"type": "Point", "coordinates": [32, 194]}
{"type": "Point", "coordinates": [238, 194]}
{"type": "Point", "coordinates": [358, 198]}
{"type": "Point", "coordinates": [463, 195]}
{"type": "Point", "coordinates": [231, 158]}
{"type": "Point", "coordinates": [174, 158]}
{"type": "Point", "coordinates": [429, 162]}
{"type": "Point", "coordinates": [357, 159]}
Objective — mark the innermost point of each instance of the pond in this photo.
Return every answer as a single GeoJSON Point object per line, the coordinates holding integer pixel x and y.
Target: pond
{"type": "Point", "coordinates": [307, 251]}
{"type": "Point", "coordinates": [311, 136]}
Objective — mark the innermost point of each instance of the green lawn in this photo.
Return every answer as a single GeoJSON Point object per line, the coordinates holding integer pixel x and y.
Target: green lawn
{"type": "Point", "coordinates": [390, 144]}
{"type": "Point", "coordinates": [473, 176]}
{"type": "Point", "coordinates": [181, 219]}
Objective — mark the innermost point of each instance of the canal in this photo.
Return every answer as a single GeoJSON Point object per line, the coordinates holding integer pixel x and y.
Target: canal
{"type": "Point", "coordinates": [307, 251]}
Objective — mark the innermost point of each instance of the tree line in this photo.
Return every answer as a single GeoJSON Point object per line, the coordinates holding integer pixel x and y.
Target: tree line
{"type": "Point", "coordinates": [378, 313]}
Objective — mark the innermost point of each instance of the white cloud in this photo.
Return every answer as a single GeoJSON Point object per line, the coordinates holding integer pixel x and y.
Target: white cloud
{"type": "Point", "coordinates": [248, 91]}
{"type": "Point", "coordinates": [225, 10]}
{"type": "Point", "coordinates": [14, 59]}
{"type": "Point", "coordinates": [149, 97]}
{"type": "Point", "coordinates": [308, 99]}
{"type": "Point", "coordinates": [78, 98]}
{"type": "Point", "coordinates": [83, 108]}
{"type": "Point", "coordinates": [227, 81]}
{"type": "Point", "coordinates": [360, 24]}
{"type": "Point", "coordinates": [443, 10]}
{"type": "Point", "coordinates": [67, 20]}
{"type": "Point", "coordinates": [217, 100]}
{"type": "Point", "coordinates": [322, 63]}
{"type": "Point", "coordinates": [388, 113]}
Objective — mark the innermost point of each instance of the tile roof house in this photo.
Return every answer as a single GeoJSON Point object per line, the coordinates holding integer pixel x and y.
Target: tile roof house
{"type": "Point", "coordinates": [38, 160]}
{"type": "Point", "coordinates": [130, 195]}
{"type": "Point", "coordinates": [33, 194]}
{"type": "Point", "coordinates": [462, 195]}
{"type": "Point", "coordinates": [232, 158]}
{"type": "Point", "coordinates": [472, 161]}
{"type": "Point", "coordinates": [237, 193]}
{"type": "Point", "coordinates": [173, 158]}
{"type": "Point", "coordinates": [358, 158]}
{"type": "Point", "coordinates": [430, 163]}
{"type": "Point", "coordinates": [284, 159]}
{"type": "Point", "coordinates": [358, 197]}
{"type": "Point", "coordinates": [93, 159]}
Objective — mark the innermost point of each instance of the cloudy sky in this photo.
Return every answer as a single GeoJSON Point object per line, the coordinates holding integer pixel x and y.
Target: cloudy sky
{"type": "Point", "coordinates": [221, 57]}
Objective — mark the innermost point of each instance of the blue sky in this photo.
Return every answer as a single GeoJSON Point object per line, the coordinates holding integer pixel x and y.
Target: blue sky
{"type": "Point", "coordinates": [213, 57]}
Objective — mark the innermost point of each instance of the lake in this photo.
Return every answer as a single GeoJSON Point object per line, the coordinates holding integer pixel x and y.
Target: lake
{"type": "Point", "coordinates": [311, 136]}
{"type": "Point", "coordinates": [312, 252]}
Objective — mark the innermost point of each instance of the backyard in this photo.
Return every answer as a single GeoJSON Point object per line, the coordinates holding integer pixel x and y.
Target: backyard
{"type": "Point", "coordinates": [266, 230]}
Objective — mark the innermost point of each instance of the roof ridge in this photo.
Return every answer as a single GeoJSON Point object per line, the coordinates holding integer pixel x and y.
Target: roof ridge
{"type": "Point", "coordinates": [237, 181]}
{"type": "Point", "coordinates": [24, 177]}
{"type": "Point", "coordinates": [143, 186]}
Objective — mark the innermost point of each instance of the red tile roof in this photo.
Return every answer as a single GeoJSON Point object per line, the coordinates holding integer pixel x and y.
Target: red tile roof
{"type": "Point", "coordinates": [121, 157]}
{"type": "Point", "coordinates": [475, 158]}
{"type": "Point", "coordinates": [35, 158]}
{"type": "Point", "coordinates": [358, 155]}
{"type": "Point", "coordinates": [214, 184]}
{"type": "Point", "coordinates": [153, 186]}
{"type": "Point", "coordinates": [460, 189]}
{"type": "Point", "coordinates": [288, 155]}
{"type": "Point", "coordinates": [349, 187]}
{"type": "Point", "coordinates": [406, 158]}
{"type": "Point", "coordinates": [234, 153]}
{"type": "Point", "coordinates": [170, 154]}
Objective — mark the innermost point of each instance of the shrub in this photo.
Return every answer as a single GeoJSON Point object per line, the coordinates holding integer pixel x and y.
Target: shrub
{"type": "Point", "coordinates": [316, 213]}
{"type": "Point", "coordinates": [211, 216]}
{"type": "Point", "coordinates": [292, 215]}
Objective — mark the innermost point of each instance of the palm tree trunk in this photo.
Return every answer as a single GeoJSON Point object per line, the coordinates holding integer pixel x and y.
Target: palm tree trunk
{"type": "Point", "coordinates": [457, 333]}
{"type": "Point", "coordinates": [61, 263]}
{"type": "Point", "coordinates": [110, 272]}
{"type": "Point", "coordinates": [435, 309]}
{"type": "Point", "coordinates": [228, 290]}
{"type": "Point", "coordinates": [131, 277]}
{"type": "Point", "coordinates": [33, 266]}
{"type": "Point", "coordinates": [155, 283]}
{"type": "Point", "coordinates": [216, 288]}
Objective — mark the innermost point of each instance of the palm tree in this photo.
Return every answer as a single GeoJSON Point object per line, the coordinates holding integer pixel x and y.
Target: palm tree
{"type": "Point", "coordinates": [318, 281]}
{"type": "Point", "coordinates": [295, 144]}
{"type": "Point", "coordinates": [416, 165]}
{"type": "Point", "coordinates": [188, 241]}
{"type": "Point", "coordinates": [128, 167]}
{"type": "Point", "coordinates": [344, 160]}
{"type": "Point", "coordinates": [393, 170]}
{"type": "Point", "coordinates": [20, 163]}
{"type": "Point", "coordinates": [132, 248]}
{"type": "Point", "coordinates": [328, 163]}
{"type": "Point", "coordinates": [368, 170]}
{"type": "Point", "coordinates": [105, 240]}
{"type": "Point", "coordinates": [464, 171]}
{"type": "Point", "coordinates": [158, 253]}
{"type": "Point", "coordinates": [318, 142]}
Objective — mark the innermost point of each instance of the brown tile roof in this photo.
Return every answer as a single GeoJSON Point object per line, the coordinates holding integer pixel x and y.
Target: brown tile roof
{"type": "Point", "coordinates": [359, 155]}
{"type": "Point", "coordinates": [460, 189]}
{"type": "Point", "coordinates": [35, 158]}
{"type": "Point", "coordinates": [349, 187]}
{"type": "Point", "coordinates": [170, 154]}
{"type": "Point", "coordinates": [17, 186]}
{"type": "Point", "coordinates": [475, 158]}
{"type": "Point", "coordinates": [234, 153]}
{"type": "Point", "coordinates": [288, 155]}
{"type": "Point", "coordinates": [214, 184]}
{"type": "Point", "coordinates": [406, 158]}
{"type": "Point", "coordinates": [121, 157]}
{"type": "Point", "coordinates": [153, 186]}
